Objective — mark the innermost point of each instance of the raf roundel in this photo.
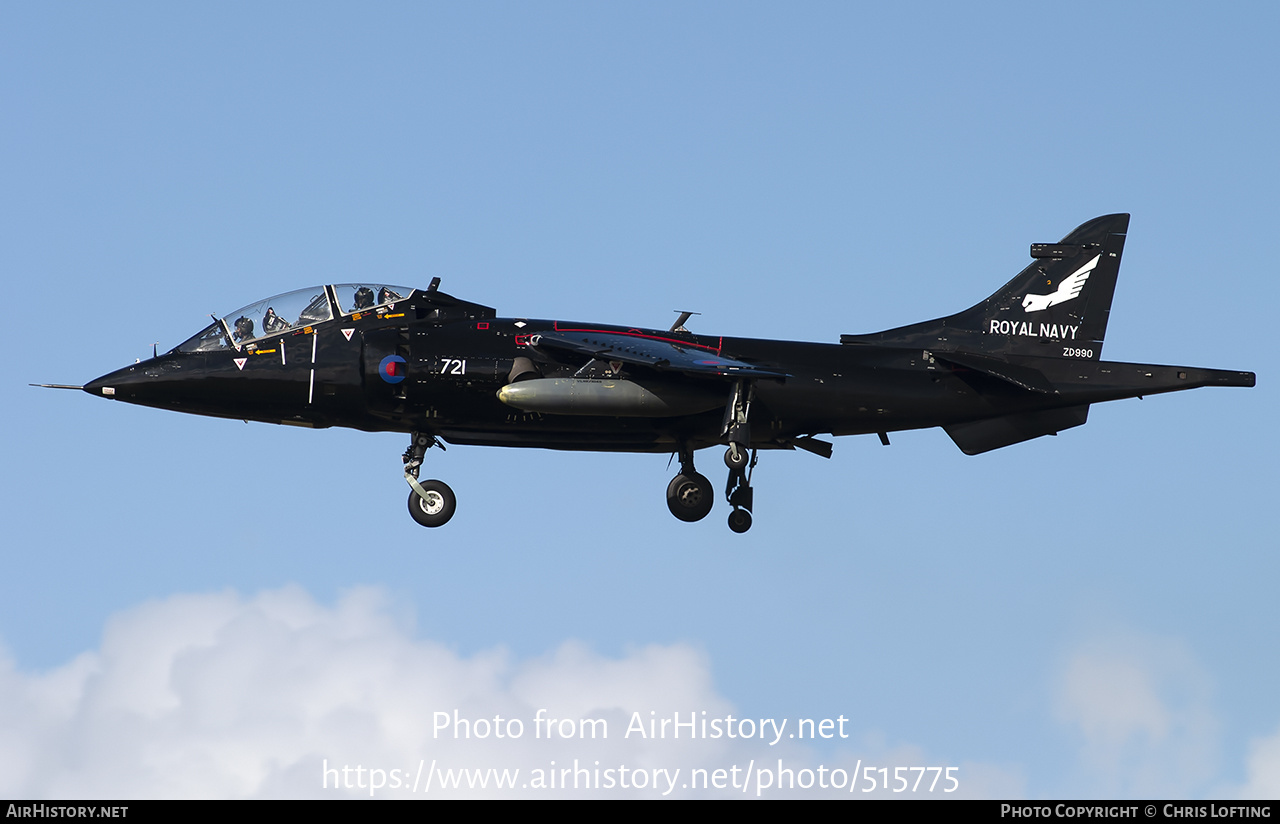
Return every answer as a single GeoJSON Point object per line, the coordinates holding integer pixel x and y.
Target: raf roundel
{"type": "Point", "coordinates": [392, 369]}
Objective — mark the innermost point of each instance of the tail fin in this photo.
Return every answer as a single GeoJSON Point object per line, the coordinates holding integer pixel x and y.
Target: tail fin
{"type": "Point", "coordinates": [1057, 306]}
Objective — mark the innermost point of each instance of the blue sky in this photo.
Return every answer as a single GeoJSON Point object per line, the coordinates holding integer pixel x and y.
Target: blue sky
{"type": "Point", "coordinates": [1089, 615]}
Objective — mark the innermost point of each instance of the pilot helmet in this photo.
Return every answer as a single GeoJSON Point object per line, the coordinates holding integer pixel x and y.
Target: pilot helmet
{"type": "Point", "coordinates": [364, 297]}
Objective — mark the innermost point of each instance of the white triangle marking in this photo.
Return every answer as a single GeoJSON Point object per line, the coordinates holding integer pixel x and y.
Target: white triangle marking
{"type": "Point", "coordinates": [346, 333]}
{"type": "Point", "coordinates": [240, 362]}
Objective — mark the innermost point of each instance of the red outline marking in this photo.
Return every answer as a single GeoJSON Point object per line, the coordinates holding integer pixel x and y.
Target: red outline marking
{"type": "Point", "coordinates": [637, 334]}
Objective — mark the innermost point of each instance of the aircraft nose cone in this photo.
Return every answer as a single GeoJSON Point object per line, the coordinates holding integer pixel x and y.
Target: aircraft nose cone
{"type": "Point", "coordinates": [186, 384]}
{"type": "Point", "coordinates": [121, 383]}
{"type": "Point", "coordinates": [104, 386]}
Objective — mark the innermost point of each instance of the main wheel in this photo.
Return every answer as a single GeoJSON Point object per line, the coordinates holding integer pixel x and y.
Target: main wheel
{"type": "Point", "coordinates": [437, 508]}
{"type": "Point", "coordinates": [736, 457]}
{"type": "Point", "coordinates": [739, 520]}
{"type": "Point", "coordinates": [689, 497]}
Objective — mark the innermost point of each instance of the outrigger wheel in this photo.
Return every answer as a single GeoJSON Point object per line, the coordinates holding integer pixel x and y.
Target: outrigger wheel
{"type": "Point", "coordinates": [689, 497]}
{"type": "Point", "coordinates": [736, 457]}
{"type": "Point", "coordinates": [739, 520]}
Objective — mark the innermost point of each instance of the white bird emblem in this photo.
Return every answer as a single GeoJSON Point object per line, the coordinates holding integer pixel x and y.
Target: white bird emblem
{"type": "Point", "coordinates": [1069, 289]}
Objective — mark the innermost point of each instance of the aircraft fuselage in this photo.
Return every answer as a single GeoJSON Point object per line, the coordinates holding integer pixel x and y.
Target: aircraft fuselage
{"type": "Point", "coordinates": [1024, 363]}
{"type": "Point", "coordinates": [451, 373]}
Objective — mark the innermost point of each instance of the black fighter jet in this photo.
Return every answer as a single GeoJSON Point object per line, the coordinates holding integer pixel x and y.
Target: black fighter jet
{"type": "Point", "coordinates": [1023, 363]}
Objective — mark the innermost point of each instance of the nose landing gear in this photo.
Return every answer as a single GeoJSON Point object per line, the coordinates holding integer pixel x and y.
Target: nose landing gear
{"type": "Point", "coordinates": [431, 503]}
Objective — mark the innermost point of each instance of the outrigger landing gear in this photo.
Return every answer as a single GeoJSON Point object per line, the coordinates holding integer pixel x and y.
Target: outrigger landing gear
{"type": "Point", "coordinates": [737, 428]}
{"type": "Point", "coordinates": [738, 490]}
{"type": "Point", "coordinates": [689, 495]}
{"type": "Point", "coordinates": [431, 503]}
{"type": "Point", "coordinates": [735, 457]}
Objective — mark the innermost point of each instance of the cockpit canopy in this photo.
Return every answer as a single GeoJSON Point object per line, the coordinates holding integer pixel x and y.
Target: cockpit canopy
{"type": "Point", "coordinates": [300, 308]}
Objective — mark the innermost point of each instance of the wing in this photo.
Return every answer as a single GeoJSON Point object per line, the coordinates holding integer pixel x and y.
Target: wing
{"type": "Point", "coordinates": [654, 353]}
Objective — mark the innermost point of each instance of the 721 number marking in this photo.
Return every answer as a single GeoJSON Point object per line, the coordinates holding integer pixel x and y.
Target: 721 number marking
{"type": "Point", "coordinates": [453, 366]}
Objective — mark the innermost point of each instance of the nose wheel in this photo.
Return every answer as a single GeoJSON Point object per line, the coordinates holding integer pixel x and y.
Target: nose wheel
{"type": "Point", "coordinates": [431, 503]}
{"type": "Point", "coordinates": [434, 506]}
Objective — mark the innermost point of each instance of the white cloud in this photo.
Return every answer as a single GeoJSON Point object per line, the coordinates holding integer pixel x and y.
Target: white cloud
{"type": "Point", "coordinates": [1142, 708]}
{"type": "Point", "coordinates": [223, 696]}
{"type": "Point", "coordinates": [1262, 769]}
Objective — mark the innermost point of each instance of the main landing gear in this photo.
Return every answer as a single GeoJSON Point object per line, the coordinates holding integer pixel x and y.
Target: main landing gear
{"type": "Point", "coordinates": [431, 503]}
{"type": "Point", "coordinates": [689, 495]}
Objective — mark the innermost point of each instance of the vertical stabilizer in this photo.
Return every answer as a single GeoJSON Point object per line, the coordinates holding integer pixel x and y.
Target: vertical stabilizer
{"type": "Point", "coordinates": [1056, 307]}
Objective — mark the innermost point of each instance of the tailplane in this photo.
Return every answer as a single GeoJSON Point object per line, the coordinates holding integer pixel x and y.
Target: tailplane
{"type": "Point", "coordinates": [1056, 307]}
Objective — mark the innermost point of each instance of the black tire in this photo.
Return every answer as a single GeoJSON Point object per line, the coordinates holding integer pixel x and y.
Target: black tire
{"type": "Point", "coordinates": [739, 520]}
{"type": "Point", "coordinates": [741, 462]}
{"type": "Point", "coordinates": [438, 507]}
{"type": "Point", "coordinates": [689, 497]}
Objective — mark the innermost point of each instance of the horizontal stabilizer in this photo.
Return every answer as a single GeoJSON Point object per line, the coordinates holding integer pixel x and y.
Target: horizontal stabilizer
{"type": "Point", "coordinates": [977, 437]}
{"type": "Point", "coordinates": [1022, 376]}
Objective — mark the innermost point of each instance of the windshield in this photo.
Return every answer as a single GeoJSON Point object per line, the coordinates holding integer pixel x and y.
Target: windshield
{"type": "Point", "coordinates": [279, 314]}
{"type": "Point", "coordinates": [274, 315]}
{"type": "Point", "coordinates": [213, 336]}
{"type": "Point", "coordinates": [292, 310]}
